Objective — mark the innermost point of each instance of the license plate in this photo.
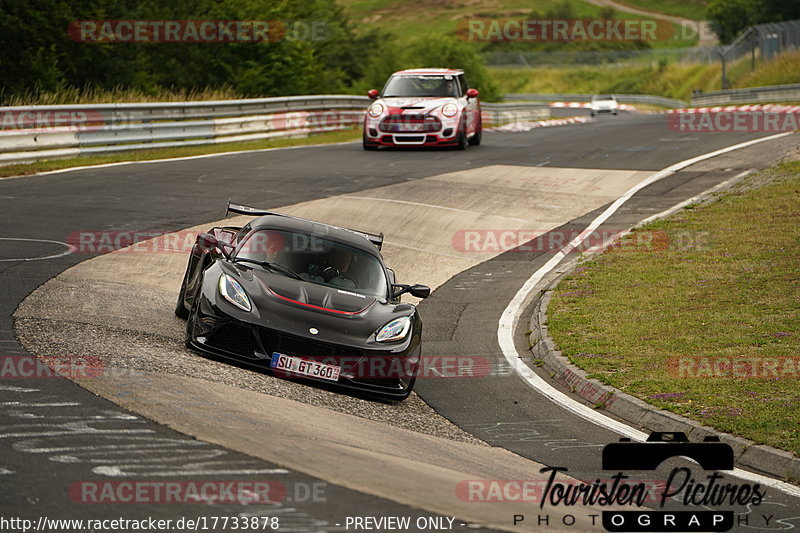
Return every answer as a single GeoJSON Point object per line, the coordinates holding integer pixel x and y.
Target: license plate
{"type": "Point", "coordinates": [296, 365]}
{"type": "Point", "coordinates": [414, 127]}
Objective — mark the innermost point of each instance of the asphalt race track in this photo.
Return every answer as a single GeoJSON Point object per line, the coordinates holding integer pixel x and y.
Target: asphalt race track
{"type": "Point", "coordinates": [56, 430]}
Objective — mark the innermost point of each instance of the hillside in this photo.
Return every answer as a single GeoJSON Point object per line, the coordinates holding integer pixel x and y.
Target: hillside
{"type": "Point", "coordinates": [410, 18]}
{"type": "Point", "coordinates": [673, 80]}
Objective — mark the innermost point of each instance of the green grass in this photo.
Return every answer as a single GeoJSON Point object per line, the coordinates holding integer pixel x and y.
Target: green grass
{"type": "Point", "coordinates": [118, 94]}
{"type": "Point", "coordinates": [690, 9]}
{"type": "Point", "coordinates": [781, 70]}
{"type": "Point", "coordinates": [166, 153]}
{"type": "Point", "coordinates": [673, 80]}
{"type": "Point", "coordinates": [726, 286]}
{"type": "Point", "coordinates": [403, 18]}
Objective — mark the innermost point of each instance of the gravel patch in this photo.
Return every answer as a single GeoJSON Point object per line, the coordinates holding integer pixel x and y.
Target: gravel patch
{"type": "Point", "coordinates": [124, 350]}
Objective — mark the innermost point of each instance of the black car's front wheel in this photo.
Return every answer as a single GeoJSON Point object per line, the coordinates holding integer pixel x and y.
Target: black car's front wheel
{"type": "Point", "coordinates": [406, 384]}
{"type": "Point", "coordinates": [409, 388]}
{"type": "Point", "coordinates": [190, 321]}
{"type": "Point", "coordinates": [180, 305]}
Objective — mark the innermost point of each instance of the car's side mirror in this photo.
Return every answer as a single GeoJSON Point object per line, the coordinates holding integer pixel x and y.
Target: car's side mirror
{"type": "Point", "coordinates": [207, 242]}
{"type": "Point", "coordinates": [392, 275]}
{"type": "Point", "coordinates": [373, 94]}
{"type": "Point", "coordinates": [472, 93]}
{"type": "Point", "coordinates": [416, 290]}
{"type": "Point", "coordinates": [420, 291]}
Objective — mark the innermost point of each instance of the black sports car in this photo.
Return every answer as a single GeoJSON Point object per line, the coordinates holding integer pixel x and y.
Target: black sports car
{"type": "Point", "coordinates": [305, 300]}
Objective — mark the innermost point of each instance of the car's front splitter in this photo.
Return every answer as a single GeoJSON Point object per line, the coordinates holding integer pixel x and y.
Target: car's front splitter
{"type": "Point", "coordinates": [212, 332]}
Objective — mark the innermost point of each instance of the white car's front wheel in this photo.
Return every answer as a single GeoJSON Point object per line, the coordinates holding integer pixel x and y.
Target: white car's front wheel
{"type": "Point", "coordinates": [475, 140]}
{"type": "Point", "coordinates": [367, 145]}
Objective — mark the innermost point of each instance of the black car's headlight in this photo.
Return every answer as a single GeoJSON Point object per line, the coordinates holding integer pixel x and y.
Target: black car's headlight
{"type": "Point", "coordinates": [395, 330]}
{"type": "Point", "coordinates": [230, 289]}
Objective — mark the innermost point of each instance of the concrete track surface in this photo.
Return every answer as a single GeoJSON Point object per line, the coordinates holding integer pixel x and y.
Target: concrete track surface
{"type": "Point", "coordinates": [408, 459]}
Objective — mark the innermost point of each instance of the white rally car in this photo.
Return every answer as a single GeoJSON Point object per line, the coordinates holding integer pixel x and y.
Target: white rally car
{"type": "Point", "coordinates": [604, 103]}
{"type": "Point", "coordinates": [424, 107]}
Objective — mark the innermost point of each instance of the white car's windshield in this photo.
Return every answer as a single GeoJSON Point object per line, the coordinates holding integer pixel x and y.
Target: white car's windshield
{"type": "Point", "coordinates": [419, 85]}
{"type": "Point", "coordinates": [317, 260]}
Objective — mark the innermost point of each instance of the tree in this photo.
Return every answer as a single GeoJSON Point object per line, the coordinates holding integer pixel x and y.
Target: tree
{"type": "Point", "coordinates": [729, 17]}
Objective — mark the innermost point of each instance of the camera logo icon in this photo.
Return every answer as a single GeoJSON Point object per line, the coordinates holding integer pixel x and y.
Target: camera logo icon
{"type": "Point", "coordinates": [711, 454]}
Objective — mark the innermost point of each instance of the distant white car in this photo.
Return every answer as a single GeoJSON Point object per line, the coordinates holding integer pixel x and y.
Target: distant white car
{"type": "Point", "coordinates": [604, 103]}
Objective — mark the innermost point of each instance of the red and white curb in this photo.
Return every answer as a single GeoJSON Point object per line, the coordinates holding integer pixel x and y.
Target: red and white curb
{"type": "Point", "coordinates": [770, 108]}
{"type": "Point", "coordinates": [528, 126]}
{"type": "Point", "coordinates": [587, 105]}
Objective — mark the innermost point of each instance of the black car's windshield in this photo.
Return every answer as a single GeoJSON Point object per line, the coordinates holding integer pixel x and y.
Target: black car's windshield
{"type": "Point", "coordinates": [419, 85]}
{"type": "Point", "coordinates": [315, 259]}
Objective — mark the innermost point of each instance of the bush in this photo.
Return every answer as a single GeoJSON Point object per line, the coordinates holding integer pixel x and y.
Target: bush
{"type": "Point", "coordinates": [429, 51]}
{"type": "Point", "coordinates": [37, 55]}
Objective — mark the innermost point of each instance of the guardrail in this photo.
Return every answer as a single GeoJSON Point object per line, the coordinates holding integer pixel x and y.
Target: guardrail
{"type": "Point", "coordinates": [646, 99]}
{"type": "Point", "coordinates": [31, 133]}
{"type": "Point", "coordinates": [499, 114]}
{"type": "Point", "coordinates": [753, 95]}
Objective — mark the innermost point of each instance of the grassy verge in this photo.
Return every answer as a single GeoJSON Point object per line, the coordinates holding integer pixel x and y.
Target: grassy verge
{"type": "Point", "coordinates": [446, 17]}
{"type": "Point", "coordinates": [782, 70]}
{"type": "Point", "coordinates": [92, 95]}
{"type": "Point", "coordinates": [406, 23]}
{"type": "Point", "coordinates": [690, 9]}
{"type": "Point", "coordinates": [652, 322]}
{"type": "Point", "coordinates": [673, 80]}
{"type": "Point", "coordinates": [166, 153]}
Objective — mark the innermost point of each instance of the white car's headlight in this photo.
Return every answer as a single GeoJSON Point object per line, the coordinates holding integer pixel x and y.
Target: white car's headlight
{"type": "Point", "coordinates": [375, 110]}
{"type": "Point", "coordinates": [450, 110]}
{"type": "Point", "coordinates": [230, 289]}
{"type": "Point", "coordinates": [395, 330]}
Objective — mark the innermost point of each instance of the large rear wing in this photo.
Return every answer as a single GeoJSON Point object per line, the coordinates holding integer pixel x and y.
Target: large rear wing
{"type": "Point", "coordinates": [376, 239]}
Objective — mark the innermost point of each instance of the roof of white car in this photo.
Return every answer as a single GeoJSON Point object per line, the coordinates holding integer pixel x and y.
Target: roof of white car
{"type": "Point", "coordinates": [450, 71]}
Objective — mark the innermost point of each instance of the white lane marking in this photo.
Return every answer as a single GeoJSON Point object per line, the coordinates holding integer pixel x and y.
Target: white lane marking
{"type": "Point", "coordinates": [115, 471]}
{"type": "Point", "coordinates": [478, 213]}
{"type": "Point", "coordinates": [69, 250]}
{"type": "Point", "coordinates": [10, 388]}
{"type": "Point", "coordinates": [201, 156]}
{"type": "Point", "coordinates": [505, 329]}
{"type": "Point", "coordinates": [53, 404]}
